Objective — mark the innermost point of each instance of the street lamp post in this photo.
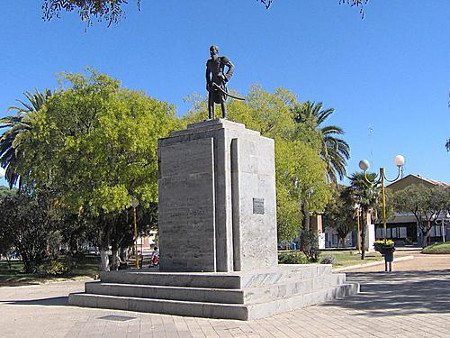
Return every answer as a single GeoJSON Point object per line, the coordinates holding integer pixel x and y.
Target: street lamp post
{"type": "Point", "coordinates": [399, 161]}
{"type": "Point", "coordinates": [134, 204]}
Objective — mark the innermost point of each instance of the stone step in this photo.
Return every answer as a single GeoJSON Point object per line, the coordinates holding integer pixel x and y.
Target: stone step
{"type": "Point", "coordinates": [261, 310]}
{"type": "Point", "coordinates": [212, 310]}
{"type": "Point", "coordinates": [258, 294]}
{"type": "Point", "coordinates": [219, 280]}
{"type": "Point", "coordinates": [206, 295]}
{"type": "Point", "coordinates": [164, 306]}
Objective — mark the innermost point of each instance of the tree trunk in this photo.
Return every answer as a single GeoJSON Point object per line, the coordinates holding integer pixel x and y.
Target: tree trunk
{"type": "Point", "coordinates": [306, 220]}
{"type": "Point", "coordinates": [425, 235]}
{"type": "Point", "coordinates": [8, 260]}
{"type": "Point", "coordinates": [363, 236]}
{"type": "Point", "coordinates": [105, 260]}
{"type": "Point", "coordinates": [115, 261]}
{"type": "Point", "coordinates": [123, 254]}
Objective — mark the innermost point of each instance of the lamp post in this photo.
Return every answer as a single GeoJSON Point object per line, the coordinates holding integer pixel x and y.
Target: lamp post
{"type": "Point", "coordinates": [399, 161]}
{"type": "Point", "coordinates": [357, 208]}
{"type": "Point", "coordinates": [134, 204]}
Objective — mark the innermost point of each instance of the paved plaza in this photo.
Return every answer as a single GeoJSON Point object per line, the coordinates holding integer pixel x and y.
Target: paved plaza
{"type": "Point", "coordinates": [413, 301]}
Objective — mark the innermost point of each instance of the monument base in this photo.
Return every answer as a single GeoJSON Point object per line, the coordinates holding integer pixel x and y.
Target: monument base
{"type": "Point", "coordinates": [229, 295]}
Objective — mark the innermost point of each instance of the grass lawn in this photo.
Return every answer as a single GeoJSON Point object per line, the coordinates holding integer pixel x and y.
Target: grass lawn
{"type": "Point", "coordinates": [349, 257]}
{"type": "Point", "coordinates": [346, 258]}
{"type": "Point", "coordinates": [439, 248]}
{"type": "Point", "coordinates": [86, 267]}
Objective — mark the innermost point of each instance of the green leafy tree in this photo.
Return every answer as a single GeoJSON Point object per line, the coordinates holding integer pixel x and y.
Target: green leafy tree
{"type": "Point", "coordinates": [334, 150]}
{"type": "Point", "coordinates": [95, 144]}
{"type": "Point", "coordinates": [426, 204]}
{"type": "Point", "coordinates": [24, 223]}
{"type": "Point", "coordinates": [367, 195]}
{"type": "Point", "coordinates": [11, 152]}
{"type": "Point", "coordinates": [340, 213]}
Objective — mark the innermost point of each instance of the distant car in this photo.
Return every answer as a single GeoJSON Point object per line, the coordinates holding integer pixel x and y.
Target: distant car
{"type": "Point", "coordinates": [93, 250]}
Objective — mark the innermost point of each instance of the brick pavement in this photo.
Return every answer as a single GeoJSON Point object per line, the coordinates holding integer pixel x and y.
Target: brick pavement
{"type": "Point", "coordinates": [413, 301]}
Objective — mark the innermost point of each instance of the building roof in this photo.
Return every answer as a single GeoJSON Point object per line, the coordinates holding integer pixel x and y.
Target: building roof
{"type": "Point", "coordinates": [415, 179]}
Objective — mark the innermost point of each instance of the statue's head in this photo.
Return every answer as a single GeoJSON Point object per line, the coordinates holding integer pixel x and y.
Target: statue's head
{"type": "Point", "coordinates": [214, 50]}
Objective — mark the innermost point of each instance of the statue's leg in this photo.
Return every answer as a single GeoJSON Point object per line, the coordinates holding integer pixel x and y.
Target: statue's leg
{"type": "Point", "coordinates": [223, 105]}
{"type": "Point", "coordinates": [210, 107]}
{"type": "Point", "coordinates": [224, 110]}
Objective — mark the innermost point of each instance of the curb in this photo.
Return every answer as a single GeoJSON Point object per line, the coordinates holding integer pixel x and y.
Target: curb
{"type": "Point", "coordinates": [351, 267]}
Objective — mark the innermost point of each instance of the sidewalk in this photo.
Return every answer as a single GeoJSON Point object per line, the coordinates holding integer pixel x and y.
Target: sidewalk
{"type": "Point", "coordinates": [413, 301]}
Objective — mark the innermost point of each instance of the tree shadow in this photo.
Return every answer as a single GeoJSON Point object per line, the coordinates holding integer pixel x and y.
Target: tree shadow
{"type": "Point", "coordinates": [398, 293]}
{"type": "Point", "coordinates": [52, 301]}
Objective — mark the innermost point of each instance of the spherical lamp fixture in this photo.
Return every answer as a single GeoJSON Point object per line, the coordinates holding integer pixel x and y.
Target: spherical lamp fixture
{"type": "Point", "coordinates": [364, 165]}
{"type": "Point", "coordinates": [399, 160]}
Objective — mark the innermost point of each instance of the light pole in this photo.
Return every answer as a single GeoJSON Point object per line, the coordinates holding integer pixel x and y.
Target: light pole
{"type": "Point", "coordinates": [134, 204]}
{"type": "Point", "coordinates": [357, 208]}
{"type": "Point", "coordinates": [399, 161]}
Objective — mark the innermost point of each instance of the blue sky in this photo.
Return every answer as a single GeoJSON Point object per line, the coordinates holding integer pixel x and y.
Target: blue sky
{"type": "Point", "coordinates": [387, 76]}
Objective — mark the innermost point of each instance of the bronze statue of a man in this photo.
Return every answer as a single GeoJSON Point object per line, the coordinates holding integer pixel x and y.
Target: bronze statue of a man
{"type": "Point", "coordinates": [216, 80]}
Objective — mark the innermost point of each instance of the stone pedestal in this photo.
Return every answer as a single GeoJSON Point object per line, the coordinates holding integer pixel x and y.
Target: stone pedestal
{"type": "Point", "coordinates": [217, 236]}
{"type": "Point", "coordinates": [217, 206]}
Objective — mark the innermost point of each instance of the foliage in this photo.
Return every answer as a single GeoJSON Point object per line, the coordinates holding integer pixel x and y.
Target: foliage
{"type": "Point", "coordinates": [426, 204]}
{"type": "Point", "coordinates": [6, 192]}
{"type": "Point", "coordinates": [329, 259]}
{"type": "Point", "coordinates": [309, 245]}
{"type": "Point", "coordinates": [25, 222]}
{"type": "Point", "coordinates": [365, 190]}
{"type": "Point", "coordinates": [439, 248]}
{"type": "Point", "coordinates": [112, 10]}
{"type": "Point", "coordinates": [340, 213]}
{"type": "Point", "coordinates": [358, 3]}
{"type": "Point", "coordinates": [18, 125]}
{"type": "Point", "coordinates": [57, 268]}
{"type": "Point", "coordinates": [382, 246]}
{"type": "Point", "coordinates": [95, 144]}
{"type": "Point", "coordinates": [292, 258]}
{"type": "Point", "coordinates": [300, 172]}
{"type": "Point", "coordinates": [334, 151]}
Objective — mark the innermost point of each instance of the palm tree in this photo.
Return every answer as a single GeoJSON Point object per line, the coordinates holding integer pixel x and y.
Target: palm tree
{"type": "Point", "coordinates": [18, 124]}
{"type": "Point", "coordinates": [334, 150]}
{"type": "Point", "coordinates": [367, 195]}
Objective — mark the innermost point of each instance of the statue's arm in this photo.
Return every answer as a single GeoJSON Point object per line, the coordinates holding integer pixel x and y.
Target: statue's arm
{"type": "Point", "coordinates": [230, 70]}
{"type": "Point", "coordinates": [208, 77]}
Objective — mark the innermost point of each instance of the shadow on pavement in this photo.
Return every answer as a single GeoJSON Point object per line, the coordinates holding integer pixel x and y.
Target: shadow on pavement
{"type": "Point", "coordinates": [399, 293]}
{"type": "Point", "coordinates": [53, 301]}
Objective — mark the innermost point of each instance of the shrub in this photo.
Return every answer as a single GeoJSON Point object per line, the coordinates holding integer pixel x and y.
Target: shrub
{"type": "Point", "coordinates": [57, 268]}
{"type": "Point", "coordinates": [309, 245]}
{"type": "Point", "coordinates": [330, 259]}
{"type": "Point", "coordinates": [292, 258]}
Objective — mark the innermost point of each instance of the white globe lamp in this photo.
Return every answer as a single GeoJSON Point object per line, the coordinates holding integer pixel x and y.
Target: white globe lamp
{"type": "Point", "coordinates": [399, 160]}
{"type": "Point", "coordinates": [364, 165]}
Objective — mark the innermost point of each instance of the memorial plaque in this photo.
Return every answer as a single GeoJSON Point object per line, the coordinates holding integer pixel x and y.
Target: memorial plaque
{"type": "Point", "coordinates": [258, 206]}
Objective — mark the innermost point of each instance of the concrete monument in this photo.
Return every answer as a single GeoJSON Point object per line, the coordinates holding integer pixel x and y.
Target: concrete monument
{"type": "Point", "coordinates": [217, 230]}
